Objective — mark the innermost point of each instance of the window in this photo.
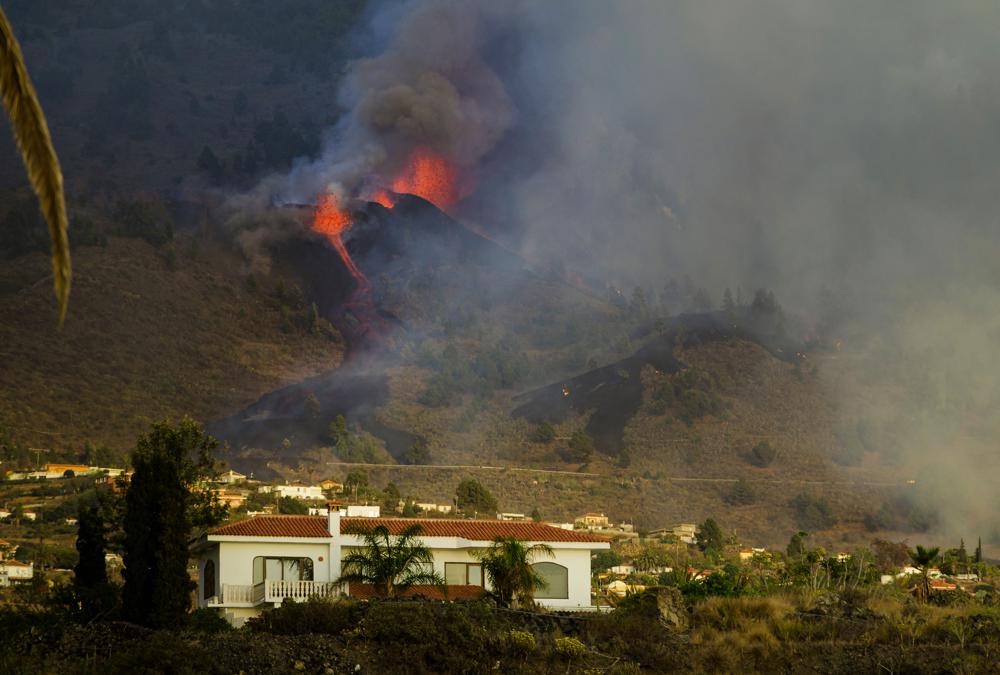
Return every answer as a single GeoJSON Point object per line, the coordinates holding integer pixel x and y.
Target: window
{"type": "Point", "coordinates": [286, 569]}
{"type": "Point", "coordinates": [463, 574]}
{"type": "Point", "coordinates": [556, 581]}
{"type": "Point", "coordinates": [208, 579]}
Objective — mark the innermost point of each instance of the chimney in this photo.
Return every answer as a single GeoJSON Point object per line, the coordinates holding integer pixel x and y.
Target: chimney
{"type": "Point", "coordinates": [333, 527]}
{"type": "Point", "coordinates": [333, 519]}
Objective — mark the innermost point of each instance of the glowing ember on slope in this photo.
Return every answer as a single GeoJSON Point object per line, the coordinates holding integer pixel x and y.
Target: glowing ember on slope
{"type": "Point", "coordinates": [429, 176]}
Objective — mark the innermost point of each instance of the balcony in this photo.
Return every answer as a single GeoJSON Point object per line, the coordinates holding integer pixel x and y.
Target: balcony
{"type": "Point", "coordinates": [275, 591]}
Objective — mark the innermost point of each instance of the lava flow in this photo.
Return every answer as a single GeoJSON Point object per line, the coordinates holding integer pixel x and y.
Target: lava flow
{"type": "Point", "coordinates": [331, 220]}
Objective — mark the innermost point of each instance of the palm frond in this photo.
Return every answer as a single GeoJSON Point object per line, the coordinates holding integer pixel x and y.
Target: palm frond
{"type": "Point", "coordinates": [31, 132]}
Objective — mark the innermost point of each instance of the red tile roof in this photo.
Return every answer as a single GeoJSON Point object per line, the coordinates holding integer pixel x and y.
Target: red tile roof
{"type": "Point", "coordinates": [367, 591]}
{"type": "Point", "coordinates": [276, 526]}
{"type": "Point", "coordinates": [477, 530]}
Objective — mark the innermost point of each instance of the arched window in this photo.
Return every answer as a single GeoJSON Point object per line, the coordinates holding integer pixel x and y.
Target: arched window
{"type": "Point", "coordinates": [556, 581]}
{"type": "Point", "coordinates": [208, 579]}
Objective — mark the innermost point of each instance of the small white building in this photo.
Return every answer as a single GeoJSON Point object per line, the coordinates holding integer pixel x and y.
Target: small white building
{"type": "Point", "coordinates": [231, 477]}
{"type": "Point", "coordinates": [247, 566]}
{"type": "Point", "coordinates": [430, 507]}
{"type": "Point", "coordinates": [295, 490]}
{"type": "Point", "coordinates": [12, 571]}
{"type": "Point", "coordinates": [511, 516]}
{"type": "Point", "coordinates": [353, 511]}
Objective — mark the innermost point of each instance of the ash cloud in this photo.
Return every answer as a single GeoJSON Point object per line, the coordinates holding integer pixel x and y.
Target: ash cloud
{"type": "Point", "coordinates": [843, 150]}
{"type": "Point", "coordinates": [428, 87]}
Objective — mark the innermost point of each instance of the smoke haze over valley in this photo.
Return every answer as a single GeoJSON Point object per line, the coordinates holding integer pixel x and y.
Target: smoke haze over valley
{"type": "Point", "coordinates": [591, 171]}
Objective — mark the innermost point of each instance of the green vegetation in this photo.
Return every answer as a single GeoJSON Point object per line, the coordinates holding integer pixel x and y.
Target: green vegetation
{"type": "Point", "coordinates": [762, 454]}
{"type": "Point", "coordinates": [472, 498]}
{"type": "Point", "coordinates": [390, 563]}
{"type": "Point", "coordinates": [813, 513]}
{"type": "Point", "coordinates": [507, 564]}
{"type": "Point", "coordinates": [741, 494]}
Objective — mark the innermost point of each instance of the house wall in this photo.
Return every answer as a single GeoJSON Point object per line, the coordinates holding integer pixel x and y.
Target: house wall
{"type": "Point", "coordinates": [576, 561]}
{"type": "Point", "coordinates": [213, 555]}
{"type": "Point", "coordinates": [235, 563]}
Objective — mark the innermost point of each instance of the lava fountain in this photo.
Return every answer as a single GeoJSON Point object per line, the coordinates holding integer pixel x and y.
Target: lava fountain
{"type": "Point", "coordinates": [427, 175]}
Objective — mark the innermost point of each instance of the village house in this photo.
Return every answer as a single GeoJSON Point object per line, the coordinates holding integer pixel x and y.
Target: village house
{"type": "Point", "coordinates": [233, 500]}
{"type": "Point", "coordinates": [7, 549]}
{"type": "Point", "coordinates": [747, 554]}
{"type": "Point", "coordinates": [249, 565]}
{"type": "Point", "coordinates": [295, 490]}
{"type": "Point", "coordinates": [352, 511]}
{"type": "Point", "coordinates": [331, 485]}
{"type": "Point", "coordinates": [430, 507]}
{"type": "Point", "coordinates": [593, 520]}
{"type": "Point", "coordinates": [231, 477]}
{"type": "Point", "coordinates": [511, 516]}
{"type": "Point", "coordinates": [14, 571]}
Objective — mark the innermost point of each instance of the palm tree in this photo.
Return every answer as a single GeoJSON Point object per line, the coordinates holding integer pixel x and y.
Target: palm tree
{"type": "Point", "coordinates": [392, 564]}
{"type": "Point", "coordinates": [507, 564]}
{"type": "Point", "coordinates": [922, 558]}
{"type": "Point", "coordinates": [31, 132]}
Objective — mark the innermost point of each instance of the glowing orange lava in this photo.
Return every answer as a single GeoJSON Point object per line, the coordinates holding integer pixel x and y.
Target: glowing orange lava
{"type": "Point", "coordinates": [385, 198]}
{"type": "Point", "coordinates": [331, 220]}
{"type": "Point", "coordinates": [429, 176]}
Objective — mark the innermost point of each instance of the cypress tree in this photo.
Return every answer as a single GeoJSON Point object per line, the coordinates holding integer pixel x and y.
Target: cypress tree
{"type": "Point", "coordinates": [160, 510]}
{"type": "Point", "coordinates": [90, 580]}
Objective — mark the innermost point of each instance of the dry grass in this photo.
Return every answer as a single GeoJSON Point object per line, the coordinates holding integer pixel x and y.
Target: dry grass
{"type": "Point", "coordinates": [142, 341]}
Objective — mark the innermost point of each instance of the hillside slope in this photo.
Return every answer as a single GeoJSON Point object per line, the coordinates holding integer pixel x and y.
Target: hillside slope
{"type": "Point", "coordinates": [146, 337]}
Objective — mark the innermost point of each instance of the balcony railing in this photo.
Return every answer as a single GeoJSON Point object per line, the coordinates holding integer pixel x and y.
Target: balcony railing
{"type": "Point", "coordinates": [275, 590]}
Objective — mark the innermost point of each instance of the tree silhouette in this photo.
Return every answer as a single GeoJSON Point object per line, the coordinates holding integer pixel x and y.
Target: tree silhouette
{"type": "Point", "coordinates": [90, 575]}
{"type": "Point", "coordinates": [391, 564]}
{"type": "Point", "coordinates": [923, 558]}
{"type": "Point", "coordinates": [162, 506]}
{"type": "Point", "coordinates": [507, 564]}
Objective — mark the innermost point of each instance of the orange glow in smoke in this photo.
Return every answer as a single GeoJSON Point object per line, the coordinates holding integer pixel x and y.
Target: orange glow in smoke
{"type": "Point", "coordinates": [330, 219]}
{"type": "Point", "coordinates": [429, 176]}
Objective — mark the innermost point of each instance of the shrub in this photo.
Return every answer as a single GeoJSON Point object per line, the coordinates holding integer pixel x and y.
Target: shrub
{"type": "Point", "coordinates": [312, 616]}
{"type": "Point", "coordinates": [762, 454]}
{"type": "Point", "coordinates": [814, 513]}
{"type": "Point", "coordinates": [570, 647]}
{"type": "Point", "coordinates": [434, 637]}
{"type": "Point", "coordinates": [521, 641]}
{"type": "Point", "coordinates": [543, 433]}
{"type": "Point", "coordinates": [209, 621]}
{"type": "Point", "coordinates": [741, 494]}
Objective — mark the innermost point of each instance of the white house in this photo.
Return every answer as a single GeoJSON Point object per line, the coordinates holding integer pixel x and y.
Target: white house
{"type": "Point", "coordinates": [231, 477]}
{"type": "Point", "coordinates": [296, 490]}
{"type": "Point", "coordinates": [15, 570]}
{"type": "Point", "coordinates": [249, 565]}
{"type": "Point", "coordinates": [353, 511]}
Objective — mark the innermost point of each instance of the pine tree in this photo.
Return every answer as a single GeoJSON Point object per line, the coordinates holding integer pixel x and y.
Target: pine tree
{"type": "Point", "coordinates": [161, 508]}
